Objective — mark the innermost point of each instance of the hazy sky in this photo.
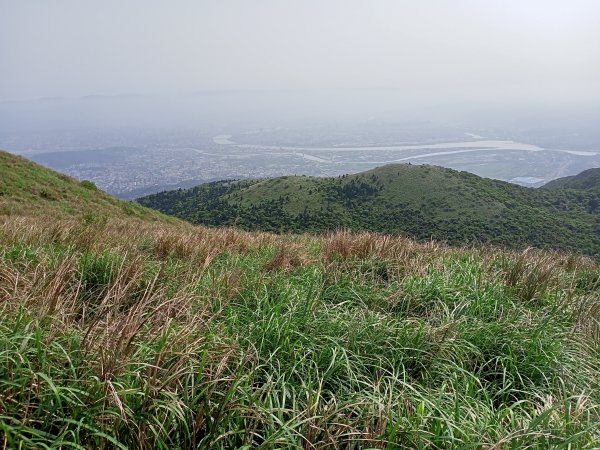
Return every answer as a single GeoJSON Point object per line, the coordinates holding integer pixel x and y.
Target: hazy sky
{"type": "Point", "coordinates": [495, 49]}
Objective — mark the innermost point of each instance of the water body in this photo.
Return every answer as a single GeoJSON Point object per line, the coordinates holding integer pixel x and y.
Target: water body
{"type": "Point", "coordinates": [527, 180]}
{"type": "Point", "coordinates": [428, 155]}
{"type": "Point", "coordinates": [460, 147]}
{"type": "Point", "coordinates": [483, 144]}
{"type": "Point", "coordinates": [223, 139]}
{"type": "Point", "coordinates": [313, 158]}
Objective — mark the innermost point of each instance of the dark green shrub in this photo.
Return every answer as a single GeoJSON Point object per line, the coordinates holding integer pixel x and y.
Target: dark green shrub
{"type": "Point", "coordinates": [88, 185]}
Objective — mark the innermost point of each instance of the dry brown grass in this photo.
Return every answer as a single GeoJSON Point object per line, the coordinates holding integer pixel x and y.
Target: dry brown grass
{"type": "Point", "coordinates": [347, 244]}
{"type": "Point", "coordinates": [129, 309]}
{"type": "Point", "coordinates": [154, 298]}
{"type": "Point", "coordinates": [163, 239]}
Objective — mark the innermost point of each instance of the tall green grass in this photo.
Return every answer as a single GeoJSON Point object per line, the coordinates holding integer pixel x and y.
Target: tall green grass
{"type": "Point", "coordinates": [147, 337]}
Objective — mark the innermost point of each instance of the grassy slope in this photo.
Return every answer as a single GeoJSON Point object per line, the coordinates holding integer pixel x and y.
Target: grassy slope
{"type": "Point", "coordinates": [588, 179]}
{"type": "Point", "coordinates": [425, 202]}
{"type": "Point", "coordinates": [27, 188]}
{"type": "Point", "coordinates": [149, 334]}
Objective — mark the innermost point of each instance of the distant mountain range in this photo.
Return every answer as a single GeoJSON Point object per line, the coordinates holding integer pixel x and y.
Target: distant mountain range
{"type": "Point", "coordinates": [426, 202]}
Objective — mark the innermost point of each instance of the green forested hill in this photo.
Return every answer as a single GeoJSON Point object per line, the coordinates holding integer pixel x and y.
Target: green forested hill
{"type": "Point", "coordinates": [422, 201]}
{"type": "Point", "coordinates": [588, 180]}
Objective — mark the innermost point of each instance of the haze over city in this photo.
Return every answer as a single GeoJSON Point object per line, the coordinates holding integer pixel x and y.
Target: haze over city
{"type": "Point", "coordinates": [140, 96]}
{"type": "Point", "coordinates": [527, 51]}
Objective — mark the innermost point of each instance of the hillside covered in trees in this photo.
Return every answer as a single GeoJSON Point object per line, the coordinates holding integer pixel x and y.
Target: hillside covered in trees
{"type": "Point", "coordinates": [424, 202]}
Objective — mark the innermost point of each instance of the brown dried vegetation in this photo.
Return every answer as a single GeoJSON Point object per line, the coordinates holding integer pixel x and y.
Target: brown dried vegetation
{"type": "Point", "coordinates": [212, 338]}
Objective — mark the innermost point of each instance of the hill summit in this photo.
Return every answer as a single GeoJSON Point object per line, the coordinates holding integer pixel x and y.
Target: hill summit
{"type": "Point", "coordinates": [425, 202]}
{"type": "Point", "coordinates": [587, 180]}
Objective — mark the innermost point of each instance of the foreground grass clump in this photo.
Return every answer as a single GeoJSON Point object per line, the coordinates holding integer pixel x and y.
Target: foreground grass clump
{"type": "Point", "coordinates": [122, 334]}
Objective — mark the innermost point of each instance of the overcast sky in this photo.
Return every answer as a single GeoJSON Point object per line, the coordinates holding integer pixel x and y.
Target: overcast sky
{"type": "Point", "coordinates": [493, 49]}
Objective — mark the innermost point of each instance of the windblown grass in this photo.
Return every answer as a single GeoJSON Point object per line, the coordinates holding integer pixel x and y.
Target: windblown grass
{"type": "Point", "coordinates": [124, 334]}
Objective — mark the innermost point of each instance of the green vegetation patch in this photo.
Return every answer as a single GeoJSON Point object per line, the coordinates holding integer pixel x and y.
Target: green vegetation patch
{"type": "Point", "coordinates": [138, 334]}
{"type": "Point", "coordinates": [422, 201]}
{"type": "Point", "coordinates": [27, 188]}
{"type": "Point", "coordinates": [143, 337]}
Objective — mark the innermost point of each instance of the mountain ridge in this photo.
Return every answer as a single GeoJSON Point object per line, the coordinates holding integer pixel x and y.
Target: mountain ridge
{"type": "Point", "coordinates": [425, 202]}
{"type": "Point", "coordinates": [587, 180]}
